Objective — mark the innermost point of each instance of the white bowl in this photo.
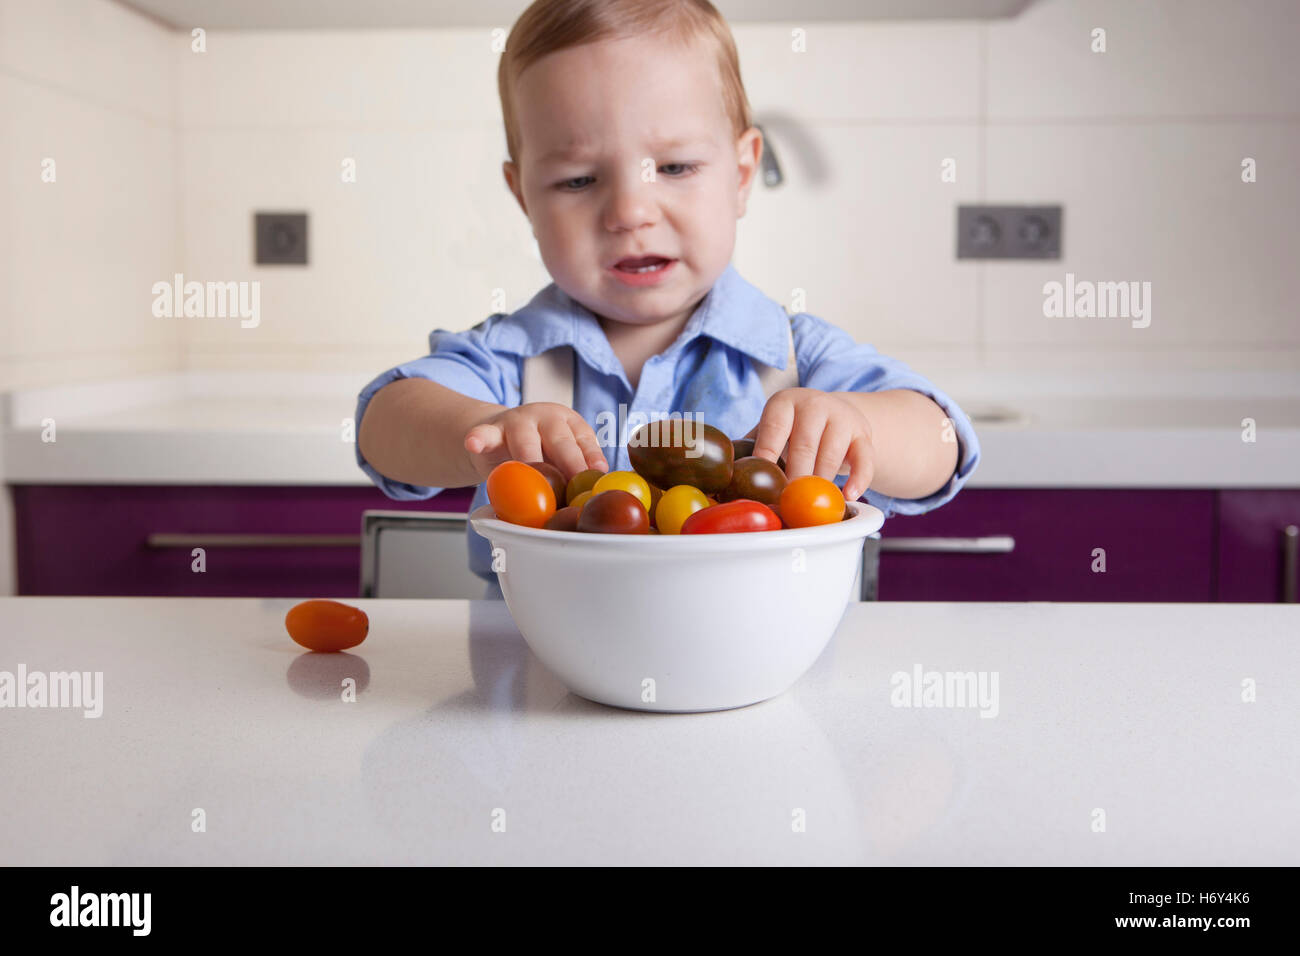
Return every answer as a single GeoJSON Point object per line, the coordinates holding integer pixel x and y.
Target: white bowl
{"type": "Point", "coordinates": [678, 623]}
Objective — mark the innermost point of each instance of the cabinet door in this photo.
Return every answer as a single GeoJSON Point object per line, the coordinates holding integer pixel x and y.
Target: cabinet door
{"type": "Point", "coordinates": [104, 540]}
{"type": "Point", "coordinates": [1256, 555]}
{"type": "Point", "coordinates": [1157, 546]}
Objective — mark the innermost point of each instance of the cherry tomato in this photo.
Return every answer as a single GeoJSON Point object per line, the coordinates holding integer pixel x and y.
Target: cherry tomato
{"type": "Point", "coordinates": [566, 519]}
{"type": "Point", "coordinates": [677, 504]}
{"type": "Point", "coordinates": [756, 479]}
{"type": "Point", "coordinates": [554, 476]}
{"type": "Point", "coordinates": [660, 454]}
{"type": "Point", "coordinates": [732, 516]}
{"type": "Point", "coordinates": [614, 512]}
{"type": "Point", "coordinates": [628, 481]}
{"type": "Point", "coordinates": [326, 625]}
{"type": "Point", "coordinates": [520, 494]}
{"type": "Point", "coordinates": [811, 500]}
{"type": "Point", "coordinates": [581, 499]}
{"type": "Point", "coordinates": [744, 448]}
{"type": "Point", "coordinates": [656, 495]}
{"type": "Point", "coordinates": [581, 482]}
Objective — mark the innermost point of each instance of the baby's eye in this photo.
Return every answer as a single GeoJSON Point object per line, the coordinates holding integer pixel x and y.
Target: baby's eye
{"type": "Point", "coordinates": [569, 184]}
{"type": "Point", "coordinates": [684, 168]}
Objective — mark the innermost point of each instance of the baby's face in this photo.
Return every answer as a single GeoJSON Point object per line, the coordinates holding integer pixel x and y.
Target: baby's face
{"type": "Point", "coordinates": [627, 151]}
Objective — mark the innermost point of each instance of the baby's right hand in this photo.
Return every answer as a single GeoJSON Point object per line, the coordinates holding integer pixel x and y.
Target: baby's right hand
{"type": "Point", "coordinates": [537, 431]}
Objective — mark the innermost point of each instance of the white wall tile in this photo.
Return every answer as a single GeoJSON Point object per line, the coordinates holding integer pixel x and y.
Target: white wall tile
{"type": "Point", "coordinates": [287, 79]}
{"type": "Point", "coordinates": [867, 71]}
{"type": "Point", "coordinates": [420, 240]}
{"type": "Point", "coordinates": [873, 245]}
{"type": "Point", "coordinates": [89, 246]}
{"type": "Point", "coordinates": [1162, 203]}
{"type": "Point", "coordinates": [97, 49]}
{"type": "Point", "coordinates": [1163, 58]}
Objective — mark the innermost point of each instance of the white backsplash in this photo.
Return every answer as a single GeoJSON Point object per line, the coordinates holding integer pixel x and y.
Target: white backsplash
{"type": "Point", "coordinates": [163, 154]}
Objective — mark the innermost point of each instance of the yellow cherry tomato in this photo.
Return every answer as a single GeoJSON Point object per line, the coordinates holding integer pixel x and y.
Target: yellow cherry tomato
{"type": "Point", "coordinates": [580, 499]}
{"type": "Point", "coordinates": [581, 482]}
{"type": "Point", "coordinates": [628, 481]}
{"type": "Point", "coordinates": [677, 504]}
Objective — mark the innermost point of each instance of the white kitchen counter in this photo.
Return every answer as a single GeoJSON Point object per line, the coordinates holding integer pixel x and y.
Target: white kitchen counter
{"type": "Point", "coordinates": [1162, 431]}
{"type": "Point", "coordinates": [1135, 710]}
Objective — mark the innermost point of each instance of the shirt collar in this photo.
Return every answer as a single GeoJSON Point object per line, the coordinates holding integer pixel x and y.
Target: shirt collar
{"type": "Point", "coordinates": [733, 312]}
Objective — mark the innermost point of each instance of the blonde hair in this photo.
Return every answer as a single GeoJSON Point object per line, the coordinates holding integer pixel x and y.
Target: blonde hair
{"type": "Point", "coordinates": [551, 25]}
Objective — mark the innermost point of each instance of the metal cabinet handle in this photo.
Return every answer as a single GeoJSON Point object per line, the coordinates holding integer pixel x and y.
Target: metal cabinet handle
{"type": "Point", "coordinates": [1290, 563]}
{"type": "Point", "coordinates": [992, 544]}
{"type": "Point", "coordinates": [159, 539]}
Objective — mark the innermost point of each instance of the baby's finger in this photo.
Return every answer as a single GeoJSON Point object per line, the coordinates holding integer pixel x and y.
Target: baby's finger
{"type": "Point", "coordinates": [592, 453]}
{"type": "Point", "coordinates": [483, 439]}
{"type": "Point", "coordinates": [773, 429]}
{"type": "Point", "coordinates": [832, 451]}
{"type": "Point", "coordinates": [562, 448]}
{"type": "Point", "coordinates": [523, 439]}
{"type": "Point", "coordinates": [805, 439]}
{"type": "Point", "coordinates": [862, 465]}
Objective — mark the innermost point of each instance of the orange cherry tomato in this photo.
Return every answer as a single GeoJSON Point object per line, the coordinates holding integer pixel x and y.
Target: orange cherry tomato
{"type": "Point", "coordinates": [811, 500]}
{"type": "Point", "coordinates": [580, 499]}
{"type": "Point", "coordinates": [520, 494]}
{"type": "Point", "coordinates": [326, 625]}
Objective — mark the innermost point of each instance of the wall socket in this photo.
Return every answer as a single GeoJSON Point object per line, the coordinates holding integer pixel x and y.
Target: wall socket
{"type": "Point", "coordinates": [1008, 232]}
{"type": "Point", "coordinates": [280, 238]}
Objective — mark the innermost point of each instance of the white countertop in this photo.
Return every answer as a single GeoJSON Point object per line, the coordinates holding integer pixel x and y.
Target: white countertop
{"type": "Point", "coordinates": [1161, 431]}
{"type": "Point", "coordinates": [1132, 709]}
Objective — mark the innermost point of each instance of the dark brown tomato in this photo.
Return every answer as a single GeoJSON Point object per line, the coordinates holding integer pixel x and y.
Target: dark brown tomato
{"type": "Point", "coordinates": [566, 519]}
{"type": "Point", "coordinates": [614, 512]}
{"type": "Point", "coordinates": [744, 448]}
{"type": "Point", "coordinates": [655, 494]}
{"type": "Point", "coordinates": [554, 476]}
{"type": "Point", "coordinates": [756, 479]}
{"type": "Point", "coordinates": [660, 454]}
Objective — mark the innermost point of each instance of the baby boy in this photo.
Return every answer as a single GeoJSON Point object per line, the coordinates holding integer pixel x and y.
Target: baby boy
{"type": "Point", "coordinates": [632, 154]}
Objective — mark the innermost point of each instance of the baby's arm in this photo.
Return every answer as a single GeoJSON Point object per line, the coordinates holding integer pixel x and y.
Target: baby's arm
{"type": "Point", "coordinates": [414, 431]}
{"type": "Point", "coordinates": [417, 431]}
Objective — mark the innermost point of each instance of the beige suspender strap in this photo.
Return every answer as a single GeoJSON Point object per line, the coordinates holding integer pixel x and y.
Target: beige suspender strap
{"type": "Point", "coordinates": [775, 379]}
{"type": "Point", "coordinates": [548, 377]}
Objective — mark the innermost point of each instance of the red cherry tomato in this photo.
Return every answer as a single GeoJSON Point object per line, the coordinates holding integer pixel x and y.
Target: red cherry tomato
{"type": "Point", "coordinates": [811, 500]}
{"type": "Point", "coordinates": [520, 494]}
{"type": "Point", "coordinates": [326, 625]}
{"type": "Point", "coordinates": [732, 516]}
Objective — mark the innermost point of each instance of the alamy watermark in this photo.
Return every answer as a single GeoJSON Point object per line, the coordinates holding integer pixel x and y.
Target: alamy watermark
{"type": "Point", "coordinates": [1098, 300]}
{"type": "Point", "coordinates": [70, 689]}
{"type": "Point", "coordinates": [208, 300]}
{"type": "Point", "coordinates": [956, 689]}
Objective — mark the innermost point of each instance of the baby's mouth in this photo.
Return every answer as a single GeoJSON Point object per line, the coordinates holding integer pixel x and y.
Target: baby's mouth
{"type": "Point", "coordinates": [640, 264]}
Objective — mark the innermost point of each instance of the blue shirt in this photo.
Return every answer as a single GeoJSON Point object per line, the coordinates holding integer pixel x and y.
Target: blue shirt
{"type": "Point", "coordinates": [707, 371]}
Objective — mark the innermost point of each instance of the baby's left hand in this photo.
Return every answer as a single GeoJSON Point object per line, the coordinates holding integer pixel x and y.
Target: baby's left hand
{"type": "Point", "coordinates": [819, 434]}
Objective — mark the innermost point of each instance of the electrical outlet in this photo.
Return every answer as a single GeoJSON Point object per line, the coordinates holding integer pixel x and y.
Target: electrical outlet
{"type": "Point", "coordinates": [280, 238]}
{"type": "Point", "coordinates": [1009, 232]}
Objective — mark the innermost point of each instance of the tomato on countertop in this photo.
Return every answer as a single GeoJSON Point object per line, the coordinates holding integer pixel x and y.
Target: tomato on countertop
{"type": "Point", "coordinates": [321, 625]}
{"type": "Point", "coordinates": [731, 517]}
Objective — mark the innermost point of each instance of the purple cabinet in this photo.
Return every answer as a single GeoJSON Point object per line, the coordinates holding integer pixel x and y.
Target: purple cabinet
{"type": "Point", "coordinates": [1158, 546]}
{"type": "Point", "coordinates": [138, 540]}
{"type": "Point", "coordinates": [1257, 555]}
